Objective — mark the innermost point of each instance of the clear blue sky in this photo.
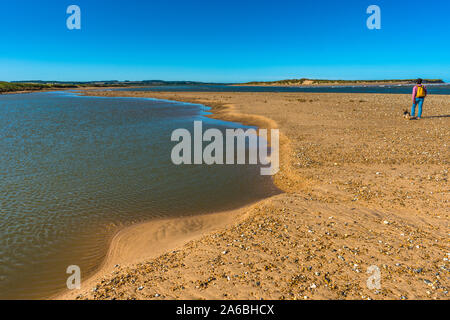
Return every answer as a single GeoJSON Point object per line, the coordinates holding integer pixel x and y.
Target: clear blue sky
{"type": "Point", "coordinates": [226, 40]}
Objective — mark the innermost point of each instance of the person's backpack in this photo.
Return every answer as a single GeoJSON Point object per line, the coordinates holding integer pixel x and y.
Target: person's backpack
{"type": "Point", "coordinates": [421, 93]}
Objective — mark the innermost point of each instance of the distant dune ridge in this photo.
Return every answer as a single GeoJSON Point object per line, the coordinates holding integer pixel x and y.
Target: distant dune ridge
{"type": "Point", "coordinates": [306, 81]}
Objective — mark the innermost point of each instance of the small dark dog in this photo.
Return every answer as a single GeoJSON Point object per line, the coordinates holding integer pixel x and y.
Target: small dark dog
{"type": "Point", "coordinates": [407, 115]}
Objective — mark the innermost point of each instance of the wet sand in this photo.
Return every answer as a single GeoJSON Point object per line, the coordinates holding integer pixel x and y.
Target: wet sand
{"type": "Point", "coordinates": [362, 187]}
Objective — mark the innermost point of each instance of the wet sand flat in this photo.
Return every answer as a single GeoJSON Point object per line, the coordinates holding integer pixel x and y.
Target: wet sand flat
{"type": "Point", "coordinates": [362, 186]}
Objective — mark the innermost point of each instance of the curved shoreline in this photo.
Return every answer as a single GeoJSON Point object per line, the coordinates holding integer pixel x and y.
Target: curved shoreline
{"type": "Point", "coordinates": [146, 240]}
{"type": "Point", "coordinates": [350, 202]}
{"type": "Point", "coordinates": [157, 237]}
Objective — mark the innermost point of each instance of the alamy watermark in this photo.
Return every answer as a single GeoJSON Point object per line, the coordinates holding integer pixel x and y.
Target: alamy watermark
{"type": "Point", "coordinates": [374, 20]}
{"type": "Point", "coordinates": [235, 139]}
{"type": "Point", "coordinates": [74, 280]}
{"type": "Point", "coordinates": [73, 22]}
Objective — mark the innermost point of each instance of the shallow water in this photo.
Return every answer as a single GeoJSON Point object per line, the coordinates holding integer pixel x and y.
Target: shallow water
{"type": "Point", "coordinates": [76, 169]}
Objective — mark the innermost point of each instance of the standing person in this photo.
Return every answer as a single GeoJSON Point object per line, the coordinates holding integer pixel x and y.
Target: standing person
{"type": "Point", "coordinates": [418, 96]}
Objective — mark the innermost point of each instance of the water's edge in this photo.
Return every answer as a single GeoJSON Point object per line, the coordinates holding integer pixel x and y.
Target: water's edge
{"type": "Point", "coordinates": [125, 239]}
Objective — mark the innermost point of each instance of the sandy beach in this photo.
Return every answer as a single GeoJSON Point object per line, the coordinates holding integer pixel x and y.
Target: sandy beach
{"type": "Point", "coordinates": [361, 187]}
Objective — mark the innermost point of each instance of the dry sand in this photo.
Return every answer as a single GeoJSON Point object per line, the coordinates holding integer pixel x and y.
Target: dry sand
{"type": "Point", "coordinates": [362, 187]}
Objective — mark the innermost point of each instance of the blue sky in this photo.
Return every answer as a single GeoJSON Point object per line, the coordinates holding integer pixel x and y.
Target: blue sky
{"type": "Point", "coordinates": [224, 41]}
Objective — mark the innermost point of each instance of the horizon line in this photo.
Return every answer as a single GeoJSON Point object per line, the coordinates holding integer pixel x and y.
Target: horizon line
{"type": "Point", "coordinates": [220, 82]}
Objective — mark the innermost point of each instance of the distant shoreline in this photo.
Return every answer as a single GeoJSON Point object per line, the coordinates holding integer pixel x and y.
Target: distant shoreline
{"type": "Point", "coordinates": [322, 83]}
{"type": "Point", "coordinates": [40, 86]}
{"type": "Point", "coordinates": [51, 89]}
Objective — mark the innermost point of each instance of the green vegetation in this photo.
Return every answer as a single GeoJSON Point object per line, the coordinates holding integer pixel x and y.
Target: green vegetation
{"type": "Point", "coordinates": [37, 85]}
{"type": "Point", "coordinates": [305, 81]}
{"type": "Point", "coordinates": [11, 87]}
{"type": "Point", "coordinates": [25, 86]}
